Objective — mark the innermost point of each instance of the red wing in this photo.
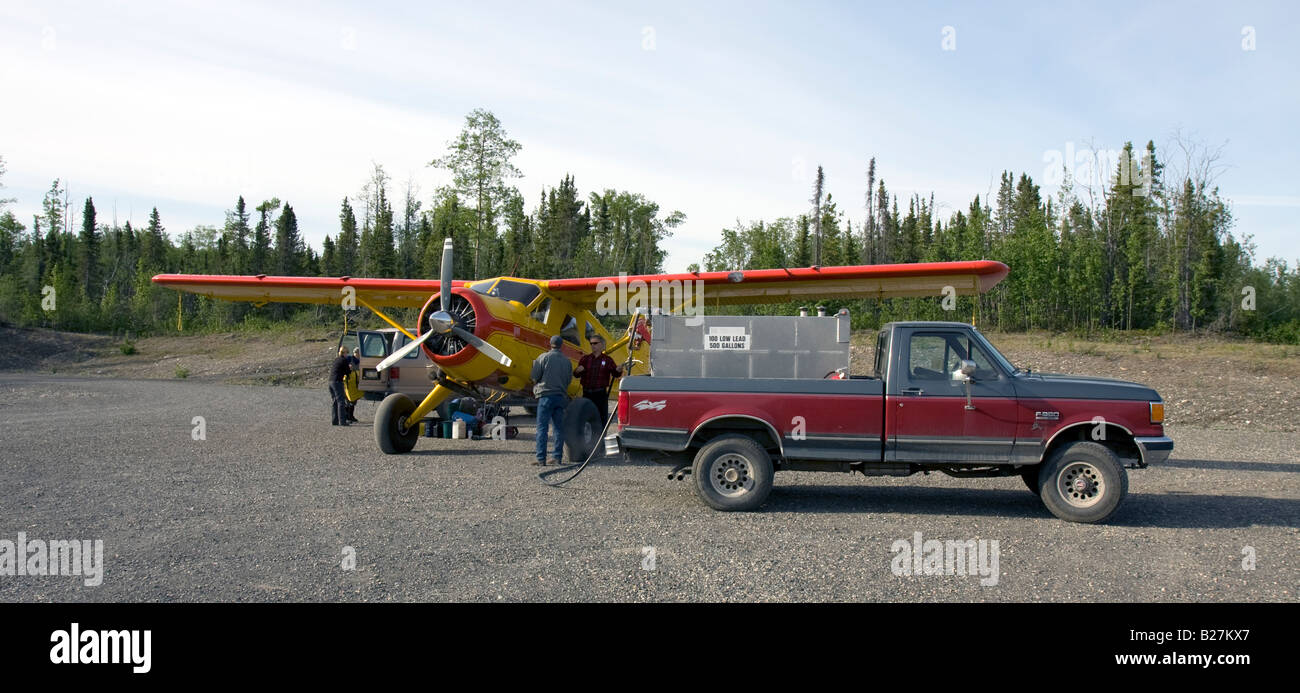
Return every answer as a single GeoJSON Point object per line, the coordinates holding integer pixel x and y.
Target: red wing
{"type": "Point", "coordinates": [404, 293]}
{"type": "Point", "coordinates": [803, 283]}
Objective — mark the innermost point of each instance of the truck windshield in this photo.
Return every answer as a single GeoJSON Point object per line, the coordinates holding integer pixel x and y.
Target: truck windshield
{"type": "Point", "coordinates": [994, 353]}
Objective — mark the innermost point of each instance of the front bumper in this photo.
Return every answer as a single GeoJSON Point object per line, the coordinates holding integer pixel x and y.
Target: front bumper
{"type": "Point", "coordinates": [1155, 450]}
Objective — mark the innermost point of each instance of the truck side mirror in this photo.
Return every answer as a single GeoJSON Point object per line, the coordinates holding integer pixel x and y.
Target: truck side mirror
{"type": "Point", "coordinates": [966, 372]}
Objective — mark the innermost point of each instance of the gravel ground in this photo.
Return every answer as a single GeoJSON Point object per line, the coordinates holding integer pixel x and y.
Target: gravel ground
{"type": "Point", "coordinates": [263, 509]}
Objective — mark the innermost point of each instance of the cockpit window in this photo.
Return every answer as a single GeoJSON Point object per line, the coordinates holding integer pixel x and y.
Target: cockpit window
{"type": "Point", "coordinates": [484, 287]}
{"type": "Point", "coordinates": [543, 311]}
{"type": "Point", "coordinates": [506, 290]}
{"type": "Point", "coordinates": [569, 330]}
{"type": "Point", "coordinates": [515, 291]}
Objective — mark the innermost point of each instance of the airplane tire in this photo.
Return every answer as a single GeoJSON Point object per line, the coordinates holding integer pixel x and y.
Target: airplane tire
{"type": "Point", "coordinates": [388, 434]}
{"type": "Point", "coordinates": [582, 427]}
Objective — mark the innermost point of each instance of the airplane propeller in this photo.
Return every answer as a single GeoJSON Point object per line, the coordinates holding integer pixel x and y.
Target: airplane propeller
{"type": "Point", "coordinates": [441, 322]}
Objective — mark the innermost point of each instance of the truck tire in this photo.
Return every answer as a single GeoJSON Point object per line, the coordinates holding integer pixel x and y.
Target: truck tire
{"type": "Point", "coordinates": [389, 417]}
{"type": "Point", "coordinates": [1030, 477]}
{"type": "Point", "coordinates": [582, 426]}
{"type": "Point", "coordinates": [733, 472]}
{"type": "Point", "coordinates": [1083, 482]}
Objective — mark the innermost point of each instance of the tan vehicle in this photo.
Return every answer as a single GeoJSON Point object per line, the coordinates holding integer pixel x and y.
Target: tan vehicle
{"type": "Point", "coordinates": [413, 377]}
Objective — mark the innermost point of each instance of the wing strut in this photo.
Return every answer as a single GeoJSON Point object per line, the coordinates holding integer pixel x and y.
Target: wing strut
{"type": "Point", "coordinates": [386, 319]}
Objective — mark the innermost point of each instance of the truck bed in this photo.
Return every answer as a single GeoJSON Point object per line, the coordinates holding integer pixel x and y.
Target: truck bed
{"type": "Point", "coordinates": [841, 420]}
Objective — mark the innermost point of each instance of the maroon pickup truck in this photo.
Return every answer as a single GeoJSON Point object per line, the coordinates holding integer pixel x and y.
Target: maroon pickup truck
{"type": "Point", "coordinates": [941, 399]}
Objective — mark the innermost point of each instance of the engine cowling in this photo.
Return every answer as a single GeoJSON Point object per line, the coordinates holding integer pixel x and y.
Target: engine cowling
{"type": "Point", "coordinates": [447, 347]}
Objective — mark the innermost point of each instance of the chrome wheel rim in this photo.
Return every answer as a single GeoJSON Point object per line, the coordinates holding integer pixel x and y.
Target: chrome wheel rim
{"type": "Point", "coordinates": [1080, 484]}
{"type": "Point", "coordinates": [732, 475]}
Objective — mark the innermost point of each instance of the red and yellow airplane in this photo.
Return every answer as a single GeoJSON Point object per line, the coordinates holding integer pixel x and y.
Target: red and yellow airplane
{"type": "Point", "coordinates": [486, 334]}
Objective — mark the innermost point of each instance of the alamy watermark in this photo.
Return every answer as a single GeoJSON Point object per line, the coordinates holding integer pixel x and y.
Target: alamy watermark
{"type": "Point", "coordinates": [55, 557]}
{"type": "Point", "coordinates": [91, 646]}
{"type": "Point", "coordinates": [1099, 168]}
{"type": "Point", "coordinates": [954, 557]}
{"type": "Point", "coordinates": [624, 297]}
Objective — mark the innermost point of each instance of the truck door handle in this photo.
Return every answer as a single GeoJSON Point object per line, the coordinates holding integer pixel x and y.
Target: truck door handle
{"type": "Point", "coordinates": [913, 391]}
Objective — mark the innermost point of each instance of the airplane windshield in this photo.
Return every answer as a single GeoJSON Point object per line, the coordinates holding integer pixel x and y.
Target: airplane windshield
{"type": "Point", "coordinates": [484, 287]}
{"type": "Point", "coordinates": [515, 291]}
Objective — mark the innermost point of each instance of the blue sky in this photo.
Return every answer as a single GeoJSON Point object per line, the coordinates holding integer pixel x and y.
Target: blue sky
{"type": "Point", "coordinates": [722, 111]}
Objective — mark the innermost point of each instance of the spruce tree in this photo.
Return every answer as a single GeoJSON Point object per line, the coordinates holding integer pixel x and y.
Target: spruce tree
{"type": "Point", "coordinates": [88, 252]}
{"type": "Point", "coordinates": [347, 241]}
{"type": "Point", "coordinates": [818, 186]}
{"type": "Point", "coordinates": [237, 224]}
{"type": "Point", "coordinates": [328, 259]}
{"type": "Point", "coordinates": [259, 261]}
{"type": "Point", "coordinates": [288, 245]}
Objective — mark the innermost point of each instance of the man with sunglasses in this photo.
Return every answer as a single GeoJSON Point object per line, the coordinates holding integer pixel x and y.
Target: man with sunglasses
{"type": "Point", "coordinates": [596, 370]}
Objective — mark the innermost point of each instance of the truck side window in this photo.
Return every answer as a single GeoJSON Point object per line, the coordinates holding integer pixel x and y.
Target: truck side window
{"type": "Point", "coordinates": [928, 357]}
{"type": "Point", "coordinates": [882, 353]}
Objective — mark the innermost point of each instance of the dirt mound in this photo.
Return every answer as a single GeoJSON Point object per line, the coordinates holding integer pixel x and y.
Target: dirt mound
{"type": "Point", "coordinates": [40, 350]}
{"type": "Point", "coordinates": [278, 357]}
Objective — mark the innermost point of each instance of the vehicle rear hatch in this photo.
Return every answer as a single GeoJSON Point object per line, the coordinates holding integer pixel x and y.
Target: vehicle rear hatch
{"type": "Point", "coordinates": [374, 347]}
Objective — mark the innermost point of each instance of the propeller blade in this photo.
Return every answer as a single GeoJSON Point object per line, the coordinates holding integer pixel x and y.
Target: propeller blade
{"type": "Point", "coordinates": [444, 281]}
{"type": "Point", "coordinates": [401, 353]}
{"type": "Point", "coordinates": [487, 349]}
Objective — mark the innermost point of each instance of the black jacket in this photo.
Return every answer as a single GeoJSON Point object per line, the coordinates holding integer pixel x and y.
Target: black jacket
{"type": "Point", "coordinates": [342, 366]}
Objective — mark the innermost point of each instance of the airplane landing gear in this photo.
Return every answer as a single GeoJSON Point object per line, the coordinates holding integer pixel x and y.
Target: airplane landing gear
{"type": "Point", "coordinates": [392, 432]}
{"type": "Point", "coordinates": [582, 429]}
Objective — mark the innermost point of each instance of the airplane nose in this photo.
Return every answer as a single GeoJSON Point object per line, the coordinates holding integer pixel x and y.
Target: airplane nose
{"type": "Point", "coordinates": [441, 322]}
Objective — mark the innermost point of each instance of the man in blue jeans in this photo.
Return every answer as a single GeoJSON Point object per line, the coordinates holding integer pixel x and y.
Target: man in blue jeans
{"type": "Point", "coordinates": [552, 372]}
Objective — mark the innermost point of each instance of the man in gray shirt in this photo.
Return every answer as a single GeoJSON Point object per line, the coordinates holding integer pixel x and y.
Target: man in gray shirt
{"type": "Point", "coordinates": [552, 373]}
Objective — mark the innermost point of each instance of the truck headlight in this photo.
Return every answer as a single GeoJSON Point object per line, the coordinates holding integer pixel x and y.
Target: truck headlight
{"type": "Point", "coordinates": [1157, 412]}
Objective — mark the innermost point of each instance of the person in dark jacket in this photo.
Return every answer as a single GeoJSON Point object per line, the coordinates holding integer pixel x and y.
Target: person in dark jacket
{"type": "Point", "coordinates": [596, 370]}
{"type": "Point", "coordinates": [552, 372]}
{"type": "Point", "coordinates": [338, 372]}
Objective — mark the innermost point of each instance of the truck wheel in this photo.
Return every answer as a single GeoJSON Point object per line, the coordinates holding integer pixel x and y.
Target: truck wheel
{"type": "Point", "coordinates": [390, 418]}
{"type": "Point", "coordinates": [582, 426]}
{"type": "Point", "coordinates": [1030, 477]}
{"type": "Point", "coordinates": [1083, 482]}
{"type": "Point", "coordinates": [733, 473]}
